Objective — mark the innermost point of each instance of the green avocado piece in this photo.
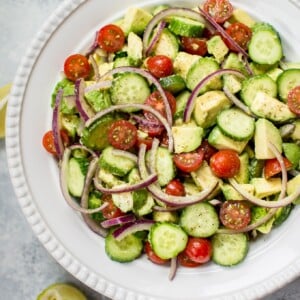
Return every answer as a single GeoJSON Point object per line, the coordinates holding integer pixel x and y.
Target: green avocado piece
{"type": "Point", "coordinates": [292, 153]}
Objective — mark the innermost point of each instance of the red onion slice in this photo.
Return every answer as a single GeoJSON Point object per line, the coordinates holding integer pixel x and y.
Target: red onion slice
{"type": "Point", "coordinates": [137, 106]}
{"type": "Point", "coordinates": [125, 188]}
{"type": "Point", "coordinates": [84, 148]}
{"type": "Point", "coordinates": [151, 79]}
{"type": "Point", "coordinates": [169, 199]}
{"type": "Point", "coordinates": [99, 85]}
{"type": "Point", "coordinates": [175, 11]}
{"type": "Point", "coordinates": [94, 45]}
{"type": "Point", "coordinates": [85, 111]}
{"type": "Point", "coordinates": [118, 221]}
{"type": "Point", "coordinates": [173, 268]}
{"type": "Point", "coordinates": [132, 227]}
{"type": "Point", "coordinates": [56, 125]}
{"type": "Point", "coordinates": [155, 38]}
{"type": "Point", "coordinates": [238, 103]}
{"type": "Point", "coordinates": [191, 101]}
{"type": "Point", "coordinates": [64, 186]}
{"type": "Point", "coordinates": [125, 154]}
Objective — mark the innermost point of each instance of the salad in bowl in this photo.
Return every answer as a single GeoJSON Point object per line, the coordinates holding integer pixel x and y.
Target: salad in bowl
{"type": "Point", "coordinates": [177, 132]}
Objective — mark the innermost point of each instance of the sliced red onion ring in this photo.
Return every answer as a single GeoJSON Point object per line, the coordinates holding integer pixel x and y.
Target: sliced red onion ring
{"type": "Point", "coordinates": [82, 147]}
{"type": "Point", "coordinates": [99, 85]}
{"type": "Point", "coordinates": [151, 79]}
{"type": "Point", "coordinates": [125, 188]}
{"type": "Point", "coordinates": [237, 102]}
{"type": "Point", "coordinates": [92, 224]}
{"type": "Point", "coordinates": [56, 124]}
{"type": "Point", "coordinates": [137, 106]}
{"type": "Point", "coordinates": [155, 38]}
{"type": "Point", "coordinates": [85, 111]}
{"type": "Point", "coordinates": [191, 101]}
{"type": "Point", "coordinates": [146, 122]}
{"type": "Point", "coordinates": [173, 268]}
{"type": "Point", "coordinates": [132, 227]}
{"type": "Point", "coordinates": [94, 46]}
{"type": "Point", "coordinates": [175, 11]}
{"type": "Point", "coordinates": [118, 221]}
{"type": "Point", "coordinates": [125, 154]}
{"type": "Point", "coordinates": [223, 32]}
{"type": "Point", "coordinates": [64, 186]}
{"type": "Point", "coordinates": [169, 199]}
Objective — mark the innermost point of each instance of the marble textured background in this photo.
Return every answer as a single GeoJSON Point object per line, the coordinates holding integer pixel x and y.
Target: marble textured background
{"type": "Point", "coordinates": [25, 266]}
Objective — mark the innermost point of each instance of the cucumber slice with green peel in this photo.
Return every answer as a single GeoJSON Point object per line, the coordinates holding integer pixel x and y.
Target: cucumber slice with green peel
{"type": "Point", "coordinates": [199, 220]}
{"type": "Point", "coordinates": [186, 27]}
{"type": "Point", "coordinates": [234, 123]}
{"type": "Point", "coordinates": [203, 67]}
{"type": "Point", "coordinates": [129, 88]}
{"type": "Point", "coordinates": [258, 83]}
{"type": "Point", "coordinates": [125, 250]}
{"type": "Point", "coordinates": [173, 83]}
{"type": "Point", "coordinates": [265, 45]}
{"type": "Point", "coordinates": [286, 81]}
{"type": "Point", "coordinates": [167, 239]}
{"type": "Point", "coordinates": [229, 249]}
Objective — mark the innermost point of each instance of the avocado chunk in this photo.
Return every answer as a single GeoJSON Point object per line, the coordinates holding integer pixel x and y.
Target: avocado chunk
{"type": "Point", "coordinates": [265, 133]}
{"type": "Point", "coordinates": [266, 187]}
{"type": "Point", "coordinates": [208, 106]}
{"type": "Point", "coordinates": [187, 137]}
{"type": "Point", "coordinates": [270, 108]}
{"type": "Point", "coordinates": [134, 49]}
{"type": "Point", "coordinates": [217, 48]}
{"type": "Point", "coordinates": [181, 101]}
{"type": "Point", "coordinates": [183, 62]}
{"type": "Point", "coordinates": [98, 99]}
{"type": "Point", "coordinates": [292, 186]}
{"type": "Point", "coordinates": [295, 136]}
{"type": "Point", "coordinates": [124, 201]}
{"type": "Point", "coordinates": [231, 194]}
{"type": "Point", "coordinates": [239, 15]}
{"type": "Point", "coordinates": [292, 153]}
{"type": "Point", "coordinates": [243, 175]}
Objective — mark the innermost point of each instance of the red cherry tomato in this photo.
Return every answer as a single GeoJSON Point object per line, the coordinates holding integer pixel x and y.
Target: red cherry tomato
{"type": "Point", "coordinates": [235, 214]}
{"type": "Point", "coordinates": [153, 128]}
{"type": "Point", "coordinates": [175, 188]}
{"type": "Point", "coordinates": [48, 141]}
{"type": "Point", "coordinates": [220, 10]}
{"type": "Point", "coordinates": [198, 250]}
{"type": "Point", "coordinates": [144, 140]}
{"type": "Point", "coordinates": [185, 261]}
{"type": "Point", "coordinates": [111, 38]}
{"type": "Point", "coordinates": [77, 66]}
{"type": "Point", "coordinates": [122, 134]}
{"type": "Point", "coordinates": [160, 66]}
{"type": "Point", "coordinates": [194, 45]}
{"type": "Point", "coordinates": [241, 34]}
{"type": "Point", "coordinates": [207, 149]}
{"type": "Point", "coordinates": [293, 100]}
{"type": "Point", "coordinates": [111, 211]}
{"type": "Point", "coordinates": [152, 256]}
{"type": "Point", "coordinates": [155, 100]}
{"type": "Point", "coordinates": [272, 167]}
{"type": "Point", "coordinates": [225, 163]}
{"type": "Point", "coordinates": [188, 162]}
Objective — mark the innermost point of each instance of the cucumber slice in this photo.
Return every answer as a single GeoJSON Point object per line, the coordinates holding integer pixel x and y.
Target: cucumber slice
{"type": "Point", "coordinates": [265, 45]}
{"type": "Point", "coordinates": [286, 81]}
{"type": "Point", "coordinates": [229, 249]}
{"type": "Point", "coordinates": [199, 220]}
{"type": "Point", "coordinates": [125, 250]}
{"type": "Point", "coordinates": [167, 239]}
{"type": "Point", "coordinates": [129, 88]}
{"type": "Point", "coordinates": [173, 83]}
{"type": "Point", "coordinates": [258, 83]}
{"type": "Point", "coordinates": [186, 27]}
{"type": "Point", "coordinates": [234, 123]}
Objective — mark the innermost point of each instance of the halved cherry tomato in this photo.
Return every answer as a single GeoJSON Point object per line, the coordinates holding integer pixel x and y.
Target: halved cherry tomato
{"type": "Point", "coordinates": [111, 210]}
{"type": "Point", "coordinates": [198, 250]}
{"type": "Point", "coordinates": [225, 163]}
{"type": "Point", "coordinates": [207, 149]}
{"type": "Point", "coordinates": [272, 167]}
{"type": "Point", "coordinates": [111, 38]}
{"type": "Point", "coordinates": [155, 100]}
{"type": "Point", "coordinates": [152, 256]}
{"type": "Point", "coordinates": [189, 161]}
{"type": "Point", "coordinates": [194, 45]}
{"type": "Point", "coordinates": [175, 188]}
{"type": "Point", "coordinates": [48, 141]}
{"type": "Point", "coordinates": [293, 100]}
{"type": "Point", "coordinates": [77, 66]}
{"type": "Point", "coordinates": [122, 134]}
{"type": "Point", "coordinates": [144, 140]}
{"type": "Point", "coordinates": [153, 128]}
{"type": "Point", "coordinates": [235, 214]}
{"type": "Point", "coordinates": [185, 261]}
{"type": "Point", "coordinates": [220, 10]}
{"type": "Point", "coordinates": [240, 33]}
{"type": "Point", "coordinates": [160, 66]}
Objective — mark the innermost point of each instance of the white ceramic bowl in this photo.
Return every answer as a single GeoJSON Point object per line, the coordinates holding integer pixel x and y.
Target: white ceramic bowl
{"type": "Point", "coordinates": [272, 261]}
